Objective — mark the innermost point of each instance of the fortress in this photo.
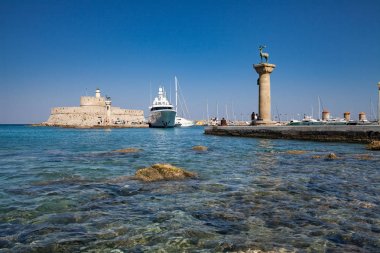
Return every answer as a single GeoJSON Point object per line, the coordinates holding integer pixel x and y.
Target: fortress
{"type": "Point", "coordinates": [95, 112]}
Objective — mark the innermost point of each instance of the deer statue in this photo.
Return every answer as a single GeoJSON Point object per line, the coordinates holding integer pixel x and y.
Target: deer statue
{"type": "Point", "coordinates": [265, 55]}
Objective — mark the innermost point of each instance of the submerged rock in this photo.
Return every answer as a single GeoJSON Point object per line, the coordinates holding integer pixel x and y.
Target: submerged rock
{"type": "Point", "coordinates": [374, 145]}
{"type": "Point", "coordinates": [279, 250]}
{"type": "Point", "coordinates": [296, 152]}
{"type": "Point", "coordinates": [127, 150]}
{"type": "Point", "coordinates": [316, 156]}
{"type": "Point", "coordinates": [363, 157]}
{"type": "Point", "coordinates": [119, 179]}
{"type": "Point", "coordinates": [159, 172]}
{"type": "Point", "coordinates": [200, 148]}
{"type": "Point", "coordinates": [331, 156]}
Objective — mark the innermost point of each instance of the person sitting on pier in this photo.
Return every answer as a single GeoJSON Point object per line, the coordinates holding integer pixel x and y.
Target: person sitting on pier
{"type": "Point", "coordinates": [223, 122]}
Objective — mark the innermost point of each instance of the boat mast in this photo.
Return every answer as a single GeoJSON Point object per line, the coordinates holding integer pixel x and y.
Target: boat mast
{"type": "Point", "coordinates": [150, 91]}
{"type": "Point", "coordinates": [207, 112]}
{"type": "Point", "coordinates": [312, 112]}
{"type": "Point", "coordinates": [217, 111]}
{"type": "Point", "coordinates": [233, 112]}
{"type": "Point", "coordinates": [319, 108]}
{"type": "Point", "coordinates": [176, 93]}
{"type": "Point", "coordinates": [378, 104]}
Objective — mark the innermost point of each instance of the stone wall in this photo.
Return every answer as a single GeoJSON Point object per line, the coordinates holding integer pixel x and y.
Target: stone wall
{"type": "Point", "coordinates": [74, 110]}
{"type": "Point", "coordinates": [129, 117]}
{"type": "Point", "coordinates": [119, 111]}
{"type": "Point", "coordinates": [89, 116]}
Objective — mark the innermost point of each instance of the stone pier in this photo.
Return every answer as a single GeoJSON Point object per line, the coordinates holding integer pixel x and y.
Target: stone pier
{"type": "Point", "coordinates": [264, 70]}
{"type": "Point", "coordinates": [333, 133]}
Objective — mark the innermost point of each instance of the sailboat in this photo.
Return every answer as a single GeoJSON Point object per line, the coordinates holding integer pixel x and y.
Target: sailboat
{"type": "Point", "coordinates": [181, 121]}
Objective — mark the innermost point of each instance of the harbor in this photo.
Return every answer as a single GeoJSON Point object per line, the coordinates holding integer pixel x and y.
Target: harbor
{"type": "Point", "coordinates": [267, 142]}
{"type": "Point", "coordinates": [326, 129]}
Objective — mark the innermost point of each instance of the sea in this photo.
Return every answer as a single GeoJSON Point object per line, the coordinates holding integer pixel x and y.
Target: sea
{"type": "Point", "coordinates": [66, 190]}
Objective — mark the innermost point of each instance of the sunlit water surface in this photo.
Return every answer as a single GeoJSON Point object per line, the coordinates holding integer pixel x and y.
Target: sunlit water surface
{"type": "Point", "coordinates": [64, 190]}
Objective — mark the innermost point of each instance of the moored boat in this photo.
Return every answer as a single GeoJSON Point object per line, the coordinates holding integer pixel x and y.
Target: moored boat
{"type": "Point", "coordinates": [182, 122]}
{"type": "Point", "coordinates": [162, 113]}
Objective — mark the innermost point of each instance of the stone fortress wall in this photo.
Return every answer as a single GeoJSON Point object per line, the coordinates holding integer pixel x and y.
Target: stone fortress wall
{"type": "Point", "coordinates": [95, 111]}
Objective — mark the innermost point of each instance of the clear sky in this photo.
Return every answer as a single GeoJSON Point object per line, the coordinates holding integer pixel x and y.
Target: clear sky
{"type": "Point", "coordinates": [52, 52]}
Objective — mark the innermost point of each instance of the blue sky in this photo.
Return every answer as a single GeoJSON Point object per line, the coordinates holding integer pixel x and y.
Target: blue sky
{"type": "Point", "coordinates": [53, 52]}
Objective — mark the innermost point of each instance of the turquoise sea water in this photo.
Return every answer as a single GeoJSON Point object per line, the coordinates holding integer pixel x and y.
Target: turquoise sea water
{"type": "Point", "coordinates": [64, 190]}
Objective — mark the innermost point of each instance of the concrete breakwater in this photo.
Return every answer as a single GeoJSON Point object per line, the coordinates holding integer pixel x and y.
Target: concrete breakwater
{"type": "Point", "coordinates": [333, 133]}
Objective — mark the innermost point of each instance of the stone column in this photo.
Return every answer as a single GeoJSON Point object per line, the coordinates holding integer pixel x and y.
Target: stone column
{"type": "Point", "coordinates": [264, 70]}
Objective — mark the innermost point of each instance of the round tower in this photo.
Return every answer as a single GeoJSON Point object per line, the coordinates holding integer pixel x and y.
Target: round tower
{"type": "Point", "coordinates": [89, 101]}
{"type": "Point", "coordinates": [347, 116]}
{"type": "Point", "coordinates": [325, 115]}
{"type": "Point", "coordinates": [362, 117]}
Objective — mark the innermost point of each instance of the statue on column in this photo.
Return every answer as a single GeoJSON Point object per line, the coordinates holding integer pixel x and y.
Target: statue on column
{"type": "Point", "coordinates": [265, 55]}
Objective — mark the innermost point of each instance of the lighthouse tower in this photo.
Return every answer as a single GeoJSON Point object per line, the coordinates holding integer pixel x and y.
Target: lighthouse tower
{"type": "Point", "coordinates": [97, 93]}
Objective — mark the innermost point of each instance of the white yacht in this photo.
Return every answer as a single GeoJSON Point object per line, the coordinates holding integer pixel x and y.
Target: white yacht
{"type": "Point", "coordinates": [162, 113]}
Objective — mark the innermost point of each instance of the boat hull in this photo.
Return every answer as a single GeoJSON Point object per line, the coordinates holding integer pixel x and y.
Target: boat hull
{"type": "Point", "coordinates": [162, 118]}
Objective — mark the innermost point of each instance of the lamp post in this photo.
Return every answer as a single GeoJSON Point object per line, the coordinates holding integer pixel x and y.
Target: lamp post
{"type": "Point", "coordinates": [378, 104]}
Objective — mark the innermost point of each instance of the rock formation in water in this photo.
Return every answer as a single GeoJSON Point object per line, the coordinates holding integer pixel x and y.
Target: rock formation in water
{"type": "Point", "coordinates": [331, 156]}
{"type": "Point", "coordinates": [159, 172]}
{"type": "Point", "coordinates": [296, 152]}
{"type": "Point", "coordinates": [127, 150]}
{"type": "Point", "coordinates": [200, 148]}
{"type": "Point", "coordinates": [374, 145]}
